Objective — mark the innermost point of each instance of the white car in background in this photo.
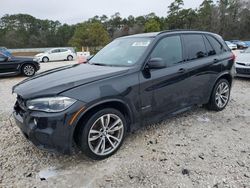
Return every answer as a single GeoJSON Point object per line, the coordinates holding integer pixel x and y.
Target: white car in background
{"type": "Point", "coordinates": [56, 54]}
{"type": "Point", "coordinates": [231, 45]}
{"type": "Point", "coordinates": [243, 64]}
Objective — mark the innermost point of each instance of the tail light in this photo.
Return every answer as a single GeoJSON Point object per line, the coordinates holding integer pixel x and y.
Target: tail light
{"type": "Point", "coordinates": [233, 57]}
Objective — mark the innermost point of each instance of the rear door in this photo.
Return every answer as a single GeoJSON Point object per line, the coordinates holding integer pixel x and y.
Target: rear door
{"type": "Point", "coordinates": [64, 53]}
{"type": "Point", "coordinates": [203, 66]}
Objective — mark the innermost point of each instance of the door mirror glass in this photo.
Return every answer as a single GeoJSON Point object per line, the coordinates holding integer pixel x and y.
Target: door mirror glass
{"type": "Point", "coordinates": [156, 63]}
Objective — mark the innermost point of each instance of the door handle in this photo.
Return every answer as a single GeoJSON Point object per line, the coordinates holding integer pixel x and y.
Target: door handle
{"type": "Point", "coordinates": [182, 70]}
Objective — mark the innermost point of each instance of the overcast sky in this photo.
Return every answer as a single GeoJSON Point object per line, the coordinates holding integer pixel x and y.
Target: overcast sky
{"type": "Point", "coordinates": [74, 11]}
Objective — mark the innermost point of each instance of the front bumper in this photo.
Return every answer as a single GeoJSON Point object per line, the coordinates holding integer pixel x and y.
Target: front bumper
{"type": "Point", "coordinates": [47, 131]}
{"type": "Point", "coordinates": [242, 71]}
{"type": "Point", "coordinates": [38, 59]}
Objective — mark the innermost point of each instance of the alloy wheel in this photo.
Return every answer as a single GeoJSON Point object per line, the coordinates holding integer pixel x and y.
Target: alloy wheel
{"type": "Point", "coordinates": [222, 95]}
{"type": "Point", "coordinates": [28, 70]}
{"type": "Point", "coordinates": [106, 134]}
{"type": "Point", "coordinates": [70, 58]}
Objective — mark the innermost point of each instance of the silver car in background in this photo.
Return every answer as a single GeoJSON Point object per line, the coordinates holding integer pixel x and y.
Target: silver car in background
{"type": "Point", "coordinates": [231, 45]}
{"type": "Point", "coordinates": [56, 54]}
{"type": "Point", "coordinates": [243, 64]}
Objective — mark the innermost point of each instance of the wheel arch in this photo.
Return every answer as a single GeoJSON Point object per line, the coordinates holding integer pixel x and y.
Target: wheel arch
{"type": "Point", "coordinates": [45, 57]}
{"type": "Point", "coordinates": [115, 103]}
{"type": "Point", "coordinates": [226, 76]}
{"type": "Point", "coordinates": [27, 63]}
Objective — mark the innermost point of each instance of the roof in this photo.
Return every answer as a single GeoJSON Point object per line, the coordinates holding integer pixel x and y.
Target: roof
{"type": "Point", "coordinates": [154, 34]}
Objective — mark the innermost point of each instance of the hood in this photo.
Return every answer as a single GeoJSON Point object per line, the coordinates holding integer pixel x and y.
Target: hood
{"type": "Point", "coordinates": [58, 80]}
{"type": "Point", "coordinates": [21, 59]}
{"type": "Point", "coordinates": [243, 58]}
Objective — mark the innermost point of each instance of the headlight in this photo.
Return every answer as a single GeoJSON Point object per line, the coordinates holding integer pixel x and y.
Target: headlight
{"type": "Point", "coordinates": [50, 104]}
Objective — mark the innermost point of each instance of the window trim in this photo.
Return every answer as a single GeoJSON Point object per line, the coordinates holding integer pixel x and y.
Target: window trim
{"type": "Point", "coordinates": [205, 38]}
{"type": "Point", "coordinates": [222, 51]}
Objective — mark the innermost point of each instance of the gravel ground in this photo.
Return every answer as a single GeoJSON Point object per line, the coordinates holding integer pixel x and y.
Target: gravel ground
{"type": "Point", "coordinates": [198, 148]}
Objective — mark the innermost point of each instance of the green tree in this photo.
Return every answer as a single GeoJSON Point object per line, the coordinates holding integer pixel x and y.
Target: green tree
{"type": "Point", "coordinates": [152, 25]}
{"type": "Point", "coordinates": [89, 34]}
{"type": "Point", "coordinates": [174, 21]}
{"type": "Point", "coordinates": [205, 15]}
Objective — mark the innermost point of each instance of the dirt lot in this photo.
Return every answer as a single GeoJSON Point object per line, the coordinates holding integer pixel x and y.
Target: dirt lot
{"type": "Point", "coordinates": [199, 148]}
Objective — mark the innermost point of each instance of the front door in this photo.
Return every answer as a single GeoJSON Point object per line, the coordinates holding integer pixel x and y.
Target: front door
{"type": "Point", "coordinates": [55, 55]}
{"type": "Point", "coordinates": [163, 91]}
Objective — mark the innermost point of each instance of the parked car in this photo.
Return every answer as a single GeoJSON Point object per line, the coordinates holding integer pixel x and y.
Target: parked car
{"type": "Point", "coordinates": [240, 44]}
{"type": "Point", "coordinates": [247, 43]}
{"type": "Point", "coordinates": [129, 83]}
{"type": "Point", "coordinates": [56, 54]}
{"type": "Point", "coordinates": [231, 45]}
{"type": "Point", "coordinates": [10, 66]}
{"type": "Point", "coordinates": [243, 64]}
{"type": "Point", "coordinates": [5, 51]}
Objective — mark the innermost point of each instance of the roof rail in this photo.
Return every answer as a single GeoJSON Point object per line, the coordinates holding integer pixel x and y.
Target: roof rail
{"type": "Point", "coordinates": [176, 30]}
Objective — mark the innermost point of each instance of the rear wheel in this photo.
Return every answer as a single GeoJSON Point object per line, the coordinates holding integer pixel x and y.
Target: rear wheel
{"type": "Point", "coordinates": [220, 96]}
{"type": "Point", "coordinates": [28, 70]}
{"type": "Point", "coordinates": [70, 58]}
{"type": "Point", "coordinates": [103, 134]}
{"type": "Point", "coordinates": [45, 59]}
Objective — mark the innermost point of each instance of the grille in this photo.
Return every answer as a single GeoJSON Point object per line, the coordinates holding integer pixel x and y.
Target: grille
{"type": "Point", "coordinates": [242, 71]}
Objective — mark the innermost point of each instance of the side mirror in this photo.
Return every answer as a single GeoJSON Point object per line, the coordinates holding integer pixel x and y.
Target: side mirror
{"type": "Point", "coordinates": [156, 63]}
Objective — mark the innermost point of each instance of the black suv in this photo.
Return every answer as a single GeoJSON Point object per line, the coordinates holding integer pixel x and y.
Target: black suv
{"type": "Point", "coordinates": [12, 66]}
{"type": "Point", "coordinates": [134, 80]}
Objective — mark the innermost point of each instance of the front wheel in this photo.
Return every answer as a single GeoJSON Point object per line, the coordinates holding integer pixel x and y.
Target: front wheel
{"type": "Point", "coordinates": [103, 134]}
{"type": "Point", "coordinates": [45, 59]}
{"type": "Point", "coordinates": [220, 96]}
{"type": "Point", "coordinates": [28, 70]}
{"type": "Point", "coordinates": [70, 58]}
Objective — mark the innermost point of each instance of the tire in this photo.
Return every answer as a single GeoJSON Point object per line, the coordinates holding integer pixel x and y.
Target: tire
{"type": "Point", "coordinates": [98, 143]}
{"type": "Point", "coordinates": [220, 96]}
{"type": "Point", "coordinates": [28, 70]}
{"type": "Point", "coordinates": [45, 59]}
{"type": "Point", "coordinates": [70, 58]}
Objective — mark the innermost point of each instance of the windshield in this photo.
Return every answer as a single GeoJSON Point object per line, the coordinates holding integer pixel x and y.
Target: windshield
{"type": "Point", "coordinates": [122, 52]}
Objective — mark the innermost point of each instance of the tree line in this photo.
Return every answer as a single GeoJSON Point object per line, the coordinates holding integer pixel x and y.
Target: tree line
{"type": "Point", "coordinates": [229, 18]}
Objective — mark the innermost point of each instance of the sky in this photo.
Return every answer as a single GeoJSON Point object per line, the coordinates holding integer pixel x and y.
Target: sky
{"type": "Point", "coordinates": [75, 11]}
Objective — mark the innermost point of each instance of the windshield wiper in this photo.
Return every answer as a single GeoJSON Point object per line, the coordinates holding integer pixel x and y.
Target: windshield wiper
{"type": "Point", "coordinates": [98, 64]}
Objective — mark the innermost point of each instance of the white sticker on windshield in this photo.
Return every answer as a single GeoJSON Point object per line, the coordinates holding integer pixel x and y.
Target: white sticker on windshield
{"type": "Point", "coordinates": [130, 62]}
{"type": "Point", "coordinates": [141, 44]}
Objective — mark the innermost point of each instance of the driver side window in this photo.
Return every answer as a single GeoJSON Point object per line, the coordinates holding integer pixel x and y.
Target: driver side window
{"type": "Point", "coordinates": [55, 51]}
{"type": "Point", "coordinates": [170, 50]}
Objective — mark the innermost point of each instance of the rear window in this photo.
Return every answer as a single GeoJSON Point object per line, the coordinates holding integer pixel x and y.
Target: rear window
{"type": "Point", "coordinates": [63, 50]}
{"type": "Point", "coordinates": [195, 46]}
{"type": "Point", "coordinates": [218, 47]}
{"type": "Point", "coordinates": [210, 50]}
